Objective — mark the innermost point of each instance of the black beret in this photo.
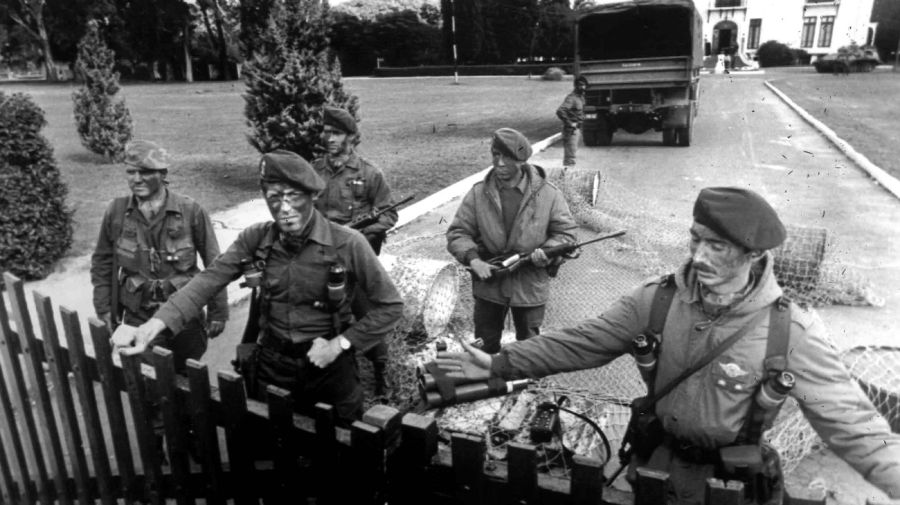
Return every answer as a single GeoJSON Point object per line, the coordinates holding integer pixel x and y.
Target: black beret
{"type": "Point", "coordinates": [511, 143]}
{"type": "Point", "coordinates": [339, 118]}
{"type": "Point", "coordinates": [740, 215]}
{"type": "Point", "coordinates": [287, 167]}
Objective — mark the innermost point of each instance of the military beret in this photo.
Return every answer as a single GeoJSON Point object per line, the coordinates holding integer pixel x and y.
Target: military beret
{"type": "Point", "coordinates": [741, 216]}
{"type": "Point", "coordinates": [287, 167]}
{"type": "Point", "coordinates": [339, 118]}
{"type": "Point", "coordinates": [511, 143]}
{"type": "Point", "coordinates": [145, 154]}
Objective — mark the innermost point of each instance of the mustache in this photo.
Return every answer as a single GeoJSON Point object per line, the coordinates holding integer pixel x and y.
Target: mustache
{"type": "Point", "coordinates": [702, 267]}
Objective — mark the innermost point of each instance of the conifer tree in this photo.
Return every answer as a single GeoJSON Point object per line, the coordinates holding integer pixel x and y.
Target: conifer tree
{"type": "Point", "coordinates": [35, 224]}
{"type": "Point", "coordinates": [103, 123]}
{"type": "Point", "coordinates": [291, 76]}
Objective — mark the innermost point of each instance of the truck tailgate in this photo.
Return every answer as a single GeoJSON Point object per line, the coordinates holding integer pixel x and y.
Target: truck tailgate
{"type": "Point", "coordinates": [638, 73]}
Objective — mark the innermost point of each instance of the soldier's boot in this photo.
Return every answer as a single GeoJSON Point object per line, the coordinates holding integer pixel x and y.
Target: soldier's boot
{"type": "Point", "coordinates": [380, 378]}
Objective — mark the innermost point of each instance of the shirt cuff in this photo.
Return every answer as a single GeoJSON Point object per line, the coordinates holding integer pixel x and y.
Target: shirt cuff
{"type": "Point", "coordinates": [471, 254]}
{"type": "Point", "coordinates": [500, 366]}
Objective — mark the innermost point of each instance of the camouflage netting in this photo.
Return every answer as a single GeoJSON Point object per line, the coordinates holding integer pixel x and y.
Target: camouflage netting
{"type": "Point", "coordinates": [877, 369]}
{"type": "Point", "coordinates": [655, 244]}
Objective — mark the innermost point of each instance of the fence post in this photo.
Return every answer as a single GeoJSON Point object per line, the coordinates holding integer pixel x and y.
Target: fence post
{"type": "Point", "coordinates": [797, 495]}
{"type": "Point", "coordinates": [407, 466]}
{"type": "Point", "coordinates": [468, 467]}
{"type": "Point", "coordinates": [325, 453]}
{"type": "Point", "coordinates": [112, 384]}
{"type": "Point", "coordinates": [368, 440]}
{"type": "Point", "coordinates": [586, 480]}
{"type": "Point", "coordinates": [139, 399]}
{"type": "Point", "coordinates": [719, 492]}
{"type": "Point", "coordinates": [59, 380]}
{"type": "Point", "coordinates": [176, 436]}
{"type": "Point", "coordinates": [46, 421]}
{"type": "Point", "coordinates": [9, 362]}
{"type": "Point", "coordinates": [237, 438]}
{"type": "Point", "coordinates": [521, 486]}
{"type": "Point", "coordinates": [205, 430]}
{"type": "Point", "coordinates": [651, 487]}
{"type": "Point", "coordinates": [84, 385]}
{"type": "Point", "coordinates": [281, 417]}
{"type": "Point", "coordinates": [16, 489]}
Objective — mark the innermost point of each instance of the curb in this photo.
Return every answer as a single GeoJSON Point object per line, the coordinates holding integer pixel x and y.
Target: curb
{"type": "Point", "coordinates": [889, 182]}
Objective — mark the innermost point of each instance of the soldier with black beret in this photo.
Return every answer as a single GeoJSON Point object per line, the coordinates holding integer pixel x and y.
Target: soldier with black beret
{"type": "Point", "coordinates": [354, 188]}
{"type": "Point", "coordinates": [304, 269]}
{"type": "Point", "coordinates": [513, 211]}
{"type": "Point", "coordinates": [724, 304]}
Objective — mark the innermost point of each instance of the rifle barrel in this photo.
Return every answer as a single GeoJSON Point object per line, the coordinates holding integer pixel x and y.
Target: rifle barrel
{"type": "Point", "coordinates": [603, 237]}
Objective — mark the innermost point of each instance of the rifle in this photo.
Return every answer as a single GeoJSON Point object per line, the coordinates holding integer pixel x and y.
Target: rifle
{"type": "Point", "coordinates": [371, 218]}
{"type": "Point", "coordinates": [504, 265]}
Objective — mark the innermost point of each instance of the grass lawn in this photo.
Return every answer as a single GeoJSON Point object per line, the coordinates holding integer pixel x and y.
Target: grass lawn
{"type": "Point", "coordinates": [860, 107]}
{"type": "Point", "coordinates": [424, 133]}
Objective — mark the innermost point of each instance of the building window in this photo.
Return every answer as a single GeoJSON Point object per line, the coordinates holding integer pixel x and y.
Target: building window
{"type": "Point", "coordinates": [809, 32]}
{"type": "Point", "coordinates": [729, 3]}
{"type": "Point", "coordinates": [825, 31]}
{"type": "Point", "coordinates": [753, 37]}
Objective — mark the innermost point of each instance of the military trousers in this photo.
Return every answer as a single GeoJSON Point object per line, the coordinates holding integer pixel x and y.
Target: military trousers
{"type": "Point", "coordinates": [490, 318]}
{"type": "Point", "coordinates": [570, 145]}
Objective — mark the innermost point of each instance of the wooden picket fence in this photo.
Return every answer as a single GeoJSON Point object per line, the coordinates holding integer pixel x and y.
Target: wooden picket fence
{"type": "Point", "coordinates": [62, 410]}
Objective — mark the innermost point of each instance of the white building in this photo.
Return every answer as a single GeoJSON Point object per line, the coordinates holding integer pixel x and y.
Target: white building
{"type": "Point", "coordinates": [817, 26]}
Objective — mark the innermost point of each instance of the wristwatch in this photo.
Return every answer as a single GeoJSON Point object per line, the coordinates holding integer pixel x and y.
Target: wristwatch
{"type": "Point", "coordinates": [345, 344]}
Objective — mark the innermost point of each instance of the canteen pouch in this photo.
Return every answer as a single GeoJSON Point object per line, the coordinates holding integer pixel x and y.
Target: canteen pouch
{"type": "Point", "coordinates": [758, 467]}
{"type": "Point", "coordinates": [646, 430]}
{"type": "Point", "coordinates": [246, 363]}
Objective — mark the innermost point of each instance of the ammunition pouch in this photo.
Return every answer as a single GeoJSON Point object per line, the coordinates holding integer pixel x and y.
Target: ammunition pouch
{"type": "Point", "coordinates": [246, 364]}
{"type": "Point", "coordinates": [132, 294]}
{"type": "Point", "coordinates": [758, 467]}
{"type": "Point", "coordinates": [645, 431]}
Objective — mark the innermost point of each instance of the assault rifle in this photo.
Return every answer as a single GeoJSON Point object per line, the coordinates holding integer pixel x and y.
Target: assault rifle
{"type": "Point", "coordinates": [371, 218]}
{"type": "Point", "coordinates": [503, 265]}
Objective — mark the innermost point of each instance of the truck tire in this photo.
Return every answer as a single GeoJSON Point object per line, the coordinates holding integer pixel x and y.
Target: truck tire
{"type": "Point", "coordinates": [590, 138]}
{"type": "Point", "coordinates": [604, 134]}
{"type": "Point", "coordinates": [684, 134]}
{"type": "Point", "coordinates": [669, 136]}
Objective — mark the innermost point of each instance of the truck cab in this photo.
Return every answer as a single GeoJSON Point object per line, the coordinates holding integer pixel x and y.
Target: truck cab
{"type": "Point", "coordinates": [642, 60]}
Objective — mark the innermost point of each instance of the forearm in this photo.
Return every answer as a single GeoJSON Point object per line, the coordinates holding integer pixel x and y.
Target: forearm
{"type": "Point", "coordinates": [375, 326]}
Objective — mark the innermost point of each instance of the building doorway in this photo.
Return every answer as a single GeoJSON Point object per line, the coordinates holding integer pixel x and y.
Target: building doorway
{"type": "Point", "coordinates": [725, 36]}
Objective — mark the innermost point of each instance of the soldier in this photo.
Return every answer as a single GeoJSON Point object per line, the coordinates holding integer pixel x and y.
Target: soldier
{"type": "Point", "coordinates": [514, 210]}
{"type": "Point", "coordinates": [722, 307]}
{"type": "Point", "coordinates": [571, 113]}
{"type": "Point", "coordinates": [147, 250]}
{"type": "Point", "coordinates": [304, 267]}
{"type": "Point", "coordinates": [353, 188]}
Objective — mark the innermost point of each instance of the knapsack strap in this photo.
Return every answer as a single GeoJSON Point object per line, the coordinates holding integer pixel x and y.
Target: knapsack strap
{"type": "Point", "coordinates": [662, 301]}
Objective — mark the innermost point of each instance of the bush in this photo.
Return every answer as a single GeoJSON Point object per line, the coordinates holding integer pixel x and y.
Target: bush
{"type": "Point", "coordinates": [103, 123]}
{"type": "Point", "coordinates": [775, 54]}
{"type": "Point", "coordinates": [291, 76]}
{"type": "Point", "coordinates": [553, 74]}
{"type": "Point", "coordinates": [35, 225]}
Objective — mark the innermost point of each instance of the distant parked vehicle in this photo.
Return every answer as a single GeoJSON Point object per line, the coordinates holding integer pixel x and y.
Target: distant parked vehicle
{"type": "Point", "coordinates": [848, 59]}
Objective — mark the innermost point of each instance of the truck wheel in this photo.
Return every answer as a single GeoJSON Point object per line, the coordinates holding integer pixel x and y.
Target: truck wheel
{"type": "Point", "coordinates": [590, 138]}
{"type": "Point", "coordinates": [684, 136]}
{"type": "Point", "coordinates": [604, 134]}
{"type": "Point", "coordinates": [668, 136]}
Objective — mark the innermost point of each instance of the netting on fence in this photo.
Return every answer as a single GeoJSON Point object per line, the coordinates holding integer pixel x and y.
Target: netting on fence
{"type": "Point", "coordinates": [656, 243]}
{"type": "Point", "coordinates": [877, 369]}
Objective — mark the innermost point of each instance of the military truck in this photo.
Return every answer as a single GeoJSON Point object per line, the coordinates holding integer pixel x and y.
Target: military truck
{"type": "Point", "coordinates": [642, 61]}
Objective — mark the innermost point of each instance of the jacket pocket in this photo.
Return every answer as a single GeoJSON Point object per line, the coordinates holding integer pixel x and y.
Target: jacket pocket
{"type": "Point", "coordinates": [132, 296]}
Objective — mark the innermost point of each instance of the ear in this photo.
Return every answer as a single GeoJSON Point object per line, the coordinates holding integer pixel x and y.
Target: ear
{"type": "Point", "coordinates": [756, 255]}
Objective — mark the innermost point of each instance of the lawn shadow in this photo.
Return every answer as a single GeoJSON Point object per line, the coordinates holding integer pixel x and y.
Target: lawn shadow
{"type": "Point", "coordinates": [87, 158]}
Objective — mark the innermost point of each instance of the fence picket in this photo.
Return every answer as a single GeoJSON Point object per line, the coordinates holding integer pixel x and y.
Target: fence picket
{"type": "Point", "coordinates": [724, 493]}
{"type": "Point", "coordinates": [587, 480]}
{"type": "Point", "coordinates": [141, 412]}
{"type": "Point", "coordinates": [325, 452]}
{"type": "Point", "coordinates": [367, 443]}
{"type": "Point", "coordinates": [651, 487]}
{"type": "Point", "coordinates": [237, 438]}
{"type": "Point", "coordinates": [112, 384]}
{"type": "Point", "coordinates": [176, 431]}
{"type": "Point", "coordinates": [468, 467]}
{"type": "Point", "coordinates": [45, 421]}
{"type": "Point", "coordinates": [59, 380]}
{"type": "Point", "coordinates": [406, 467]}
{"type": "Point", "coordinates": [86, 398]}
{"type": "Point", "coordinates": [522, 483]}
{"type": "Point", "coordinates": [19, 488]}
{"type": "Point", "coordinates": [205, 430]}
{"type": "Point", "coordinates": [21, 402]}
{"type": "Point", "coordinates": [281, 417]}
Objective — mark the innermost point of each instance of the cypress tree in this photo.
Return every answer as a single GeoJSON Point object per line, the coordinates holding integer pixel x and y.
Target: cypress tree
{"type": "Point", "coordinates": [35, 224]}
{"type": "Point", "coordinates": [103, 123]}
{"type": "Point", "coordinates": [291, 76]}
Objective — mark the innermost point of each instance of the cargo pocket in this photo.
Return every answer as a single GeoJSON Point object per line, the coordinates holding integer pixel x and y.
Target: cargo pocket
{"type": "Point", "coordinates": [133, 293]}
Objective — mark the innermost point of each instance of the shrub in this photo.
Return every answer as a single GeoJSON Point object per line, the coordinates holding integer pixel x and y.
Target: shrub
{"type": "Point", "coordinates": [553, 74]}
{"type": "Point", "coordinates": [291, 76]}
{"type": "Point", "coordinates": [35, 225]}
{"type": "Point", "coordinates": [103, 123]}
{"type": "Point", "coordinates": [775, 54]}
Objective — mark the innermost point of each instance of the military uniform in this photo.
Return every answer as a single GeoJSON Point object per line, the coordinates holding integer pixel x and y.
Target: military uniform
{"type": "Point", "coordinates": [294, 308]}
{"type": "Point", "coordinates": [155, 257]}
{"type": "Point", "coordinates": [571, 113]}
{"type": "Point", "coordinates": [479, 230]}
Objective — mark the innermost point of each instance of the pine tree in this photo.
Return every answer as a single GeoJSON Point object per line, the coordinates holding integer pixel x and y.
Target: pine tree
{"type": "Point", "coordinates": [35, 224]}
{"type": "Point", "coordinates": [103, 123]}
{"type": "Point", "coordinates": [291, 76]}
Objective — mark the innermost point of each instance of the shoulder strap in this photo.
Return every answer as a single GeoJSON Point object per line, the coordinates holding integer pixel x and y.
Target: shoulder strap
{"type": "Point", "coordinates": [662, 301]}
{"type": "Point", "coordinates": [119, 206]}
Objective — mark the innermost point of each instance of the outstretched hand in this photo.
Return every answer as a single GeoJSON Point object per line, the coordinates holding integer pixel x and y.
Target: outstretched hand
{"type": "Point", "coordinates": [472, 365]}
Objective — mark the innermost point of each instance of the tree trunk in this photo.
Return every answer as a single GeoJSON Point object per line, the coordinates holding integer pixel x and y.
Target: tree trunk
{"type": "Point", "coordinates": [38, 32]}
{"type": "Point", "coordinates": [188, 64]}
{"type": "Point", "coordinates": [224, 69]}
{"type": "Point", "coordinates": [209, 31]}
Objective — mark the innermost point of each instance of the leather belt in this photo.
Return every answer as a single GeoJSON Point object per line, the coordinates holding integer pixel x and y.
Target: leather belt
{"type": "Point", "coordinates": [286, 347]}
{"type": "Point", "coordinates": [690, 452]}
